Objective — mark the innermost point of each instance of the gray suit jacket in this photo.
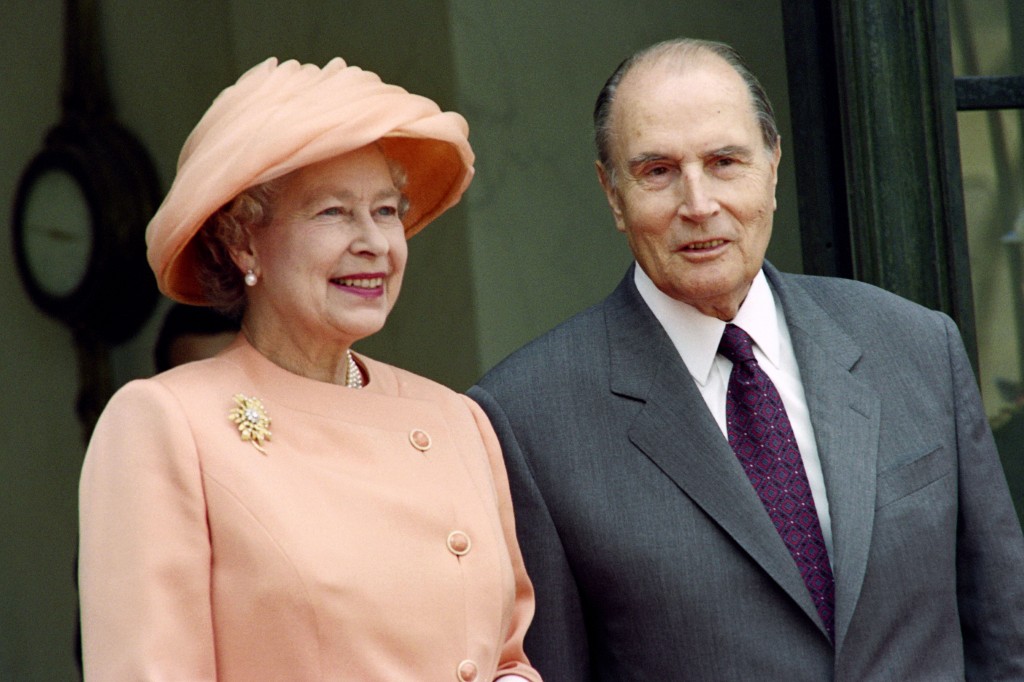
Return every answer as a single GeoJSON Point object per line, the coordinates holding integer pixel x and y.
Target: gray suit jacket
{"type": "Point", "coordinates": [654, 559]}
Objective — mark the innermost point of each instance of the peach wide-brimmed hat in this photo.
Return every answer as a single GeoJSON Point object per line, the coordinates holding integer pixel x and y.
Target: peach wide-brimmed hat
{"type": "Point", "coordinates": [280, 117]}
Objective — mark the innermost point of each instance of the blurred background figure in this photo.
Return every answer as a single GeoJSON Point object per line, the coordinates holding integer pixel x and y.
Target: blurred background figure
{"type": "Point", "coordinates": [191, 333]}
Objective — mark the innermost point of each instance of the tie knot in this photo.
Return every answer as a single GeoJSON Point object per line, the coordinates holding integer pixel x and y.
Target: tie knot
{"type": "Point", "coordinates": [736, 345]}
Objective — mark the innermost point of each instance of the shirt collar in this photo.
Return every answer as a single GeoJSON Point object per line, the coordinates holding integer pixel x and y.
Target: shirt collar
{"type": "Point", "coordinates": [696, 335]}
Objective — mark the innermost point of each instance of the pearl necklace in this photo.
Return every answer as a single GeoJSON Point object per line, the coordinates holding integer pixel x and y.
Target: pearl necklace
{"type": "Point", "coordinates": [353, 377]}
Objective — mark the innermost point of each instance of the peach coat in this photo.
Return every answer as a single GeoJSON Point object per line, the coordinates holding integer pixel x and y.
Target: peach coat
{"type": "Point", "coordinates": [373, 538]}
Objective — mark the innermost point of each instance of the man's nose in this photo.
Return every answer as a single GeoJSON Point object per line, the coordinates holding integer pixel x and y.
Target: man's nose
{"type": "Point", "coordinates": [697, 202]}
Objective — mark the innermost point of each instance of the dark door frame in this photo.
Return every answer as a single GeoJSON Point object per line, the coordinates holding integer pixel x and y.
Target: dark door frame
{"type": "Point", "coordinates": [873, 104]}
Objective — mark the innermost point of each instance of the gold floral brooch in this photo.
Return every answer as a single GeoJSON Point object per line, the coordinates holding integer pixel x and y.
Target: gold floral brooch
{"type": "Point", "coordinates": [253, 422]}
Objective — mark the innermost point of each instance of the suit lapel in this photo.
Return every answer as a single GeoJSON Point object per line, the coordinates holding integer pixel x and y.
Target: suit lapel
{"type": "Point", "coordinates": [846, 417]}
{"type": "Point", "coordinates": [677, 432]}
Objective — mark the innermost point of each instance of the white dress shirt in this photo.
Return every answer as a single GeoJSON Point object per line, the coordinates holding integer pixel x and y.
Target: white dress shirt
{"type": "Point", "coordinates": [696, 337]}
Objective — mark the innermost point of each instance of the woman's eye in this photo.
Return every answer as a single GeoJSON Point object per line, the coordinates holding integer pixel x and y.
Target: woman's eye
{"type": "Point", "coordinates": [387, 211]}
{"type": "Point", "coordinates": [333, 211]}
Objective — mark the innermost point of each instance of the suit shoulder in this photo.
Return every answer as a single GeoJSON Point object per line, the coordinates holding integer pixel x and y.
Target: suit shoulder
{"type": "Point", "coordinates": [858, 299]}
{"type": "Point", "coordinates": [875, 318]}
{"type": "Point", "coordinates": [568, 347]}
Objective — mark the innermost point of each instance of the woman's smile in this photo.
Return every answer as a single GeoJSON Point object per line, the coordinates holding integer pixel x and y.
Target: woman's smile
{"type": "Point", "coordinates": [364, 285]}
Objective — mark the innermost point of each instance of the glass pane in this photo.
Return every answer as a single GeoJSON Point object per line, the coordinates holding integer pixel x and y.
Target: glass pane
{"type": "Point", "coordinates": [988, 40]}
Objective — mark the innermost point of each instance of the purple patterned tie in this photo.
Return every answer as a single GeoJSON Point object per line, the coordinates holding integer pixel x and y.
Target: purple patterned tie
{"type": "Point", "coordinates": [762, 438]}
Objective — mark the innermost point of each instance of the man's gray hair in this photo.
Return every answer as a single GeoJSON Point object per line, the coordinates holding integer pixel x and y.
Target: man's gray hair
{"type": "Point", "coordinates": [681, 49]}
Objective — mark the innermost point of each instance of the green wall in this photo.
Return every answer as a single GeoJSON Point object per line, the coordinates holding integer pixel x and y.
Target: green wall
{"type": "Point", "coordinates": [531, 243]}
{"type": "Point", "coordinates": [542, 240]}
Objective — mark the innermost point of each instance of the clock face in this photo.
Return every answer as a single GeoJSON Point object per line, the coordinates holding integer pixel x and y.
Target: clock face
{"type": "Point", "coordinates": [57, 232]}
{"type": "Point", "coordinates": [80, 213]}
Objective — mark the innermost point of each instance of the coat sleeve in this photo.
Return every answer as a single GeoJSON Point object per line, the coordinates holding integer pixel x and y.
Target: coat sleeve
{"type": "Point", "coordinates": [513, 660]}
{"type": "Point", "coordinates": [990, 546]}
{"type": "Point", "coordinates": [557, 640]}
{"type": "Point", "coordinates": [144, 571]}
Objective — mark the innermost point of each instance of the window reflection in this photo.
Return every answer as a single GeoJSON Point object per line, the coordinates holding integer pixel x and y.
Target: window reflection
{"type": "Point", "coordinates": [988, 40]}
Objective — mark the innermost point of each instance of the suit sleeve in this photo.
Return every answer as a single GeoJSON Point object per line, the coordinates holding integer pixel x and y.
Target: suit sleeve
{"type": "Point", "coordinates": [144, 571]}
{"type": "Point", "coordinates": [557, 641]}
{"type": "Point", "coordinates": [990, 547]}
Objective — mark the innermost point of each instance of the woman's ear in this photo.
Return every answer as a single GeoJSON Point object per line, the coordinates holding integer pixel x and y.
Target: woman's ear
{"type": "Point", "coordinates": [243, 252]}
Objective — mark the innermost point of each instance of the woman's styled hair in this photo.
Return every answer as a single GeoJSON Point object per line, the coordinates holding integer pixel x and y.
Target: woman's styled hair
{"type": "Point", "coordinates": [228, 229]}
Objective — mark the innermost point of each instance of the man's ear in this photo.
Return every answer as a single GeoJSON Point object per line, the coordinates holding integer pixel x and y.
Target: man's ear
{"type": "Point", "coordinates": [776, 157]}
{"type": "Point", "coordinates": [612, 194]}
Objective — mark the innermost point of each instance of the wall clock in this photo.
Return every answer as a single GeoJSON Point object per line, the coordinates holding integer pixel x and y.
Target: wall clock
{"type": "Point", "coordinates": [78, 229]}
{"type": "Point", "coordinates": [80, 213]}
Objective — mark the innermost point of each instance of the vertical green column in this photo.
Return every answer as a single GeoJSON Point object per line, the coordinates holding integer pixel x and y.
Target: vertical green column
{"type": "Point", "coordinates": [901, 153]}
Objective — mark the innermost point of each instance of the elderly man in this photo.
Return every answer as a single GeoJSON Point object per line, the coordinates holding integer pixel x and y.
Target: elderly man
{"type": "Point", "coordinates": [723, 472]}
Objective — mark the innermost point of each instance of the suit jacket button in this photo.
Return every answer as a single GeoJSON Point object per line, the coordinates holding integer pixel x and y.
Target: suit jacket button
{"type": "Point", "coordinates": [458, 543]}
{"type": "Point", "coordinates": [420, 439]}
{"type": "Point", "coordinates": [467, 671]}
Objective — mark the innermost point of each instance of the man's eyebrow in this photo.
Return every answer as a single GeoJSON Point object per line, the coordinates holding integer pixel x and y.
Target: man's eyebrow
{"type": "Point", "coordinates": [641, 159]}
{"type": "Point", "coordinates": [739, 150]}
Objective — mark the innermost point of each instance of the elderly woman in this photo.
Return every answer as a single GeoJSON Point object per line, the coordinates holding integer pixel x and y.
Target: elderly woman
{"type": "Point", "coordinates": [291, 510]}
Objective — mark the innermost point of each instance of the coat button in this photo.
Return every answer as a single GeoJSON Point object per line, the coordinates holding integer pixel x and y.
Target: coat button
{"type": "Point", "coordinates": [467, 671]}
{"type": "Point", "coordinates": [458, 543]}
{"type": "Point", "coordinates": [420, 439]}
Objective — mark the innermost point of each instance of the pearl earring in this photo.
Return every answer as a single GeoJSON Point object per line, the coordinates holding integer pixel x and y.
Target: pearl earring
{"type": "Point", "coordinates": [250, 278]}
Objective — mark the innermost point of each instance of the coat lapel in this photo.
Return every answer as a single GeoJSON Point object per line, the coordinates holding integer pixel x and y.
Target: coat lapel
{"type": "Point", "coordinates": [846, 417]}
{"type": "Point", "coordinates": [677, 432]}
{"type": "Point", "coordinates": [687, 445]}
